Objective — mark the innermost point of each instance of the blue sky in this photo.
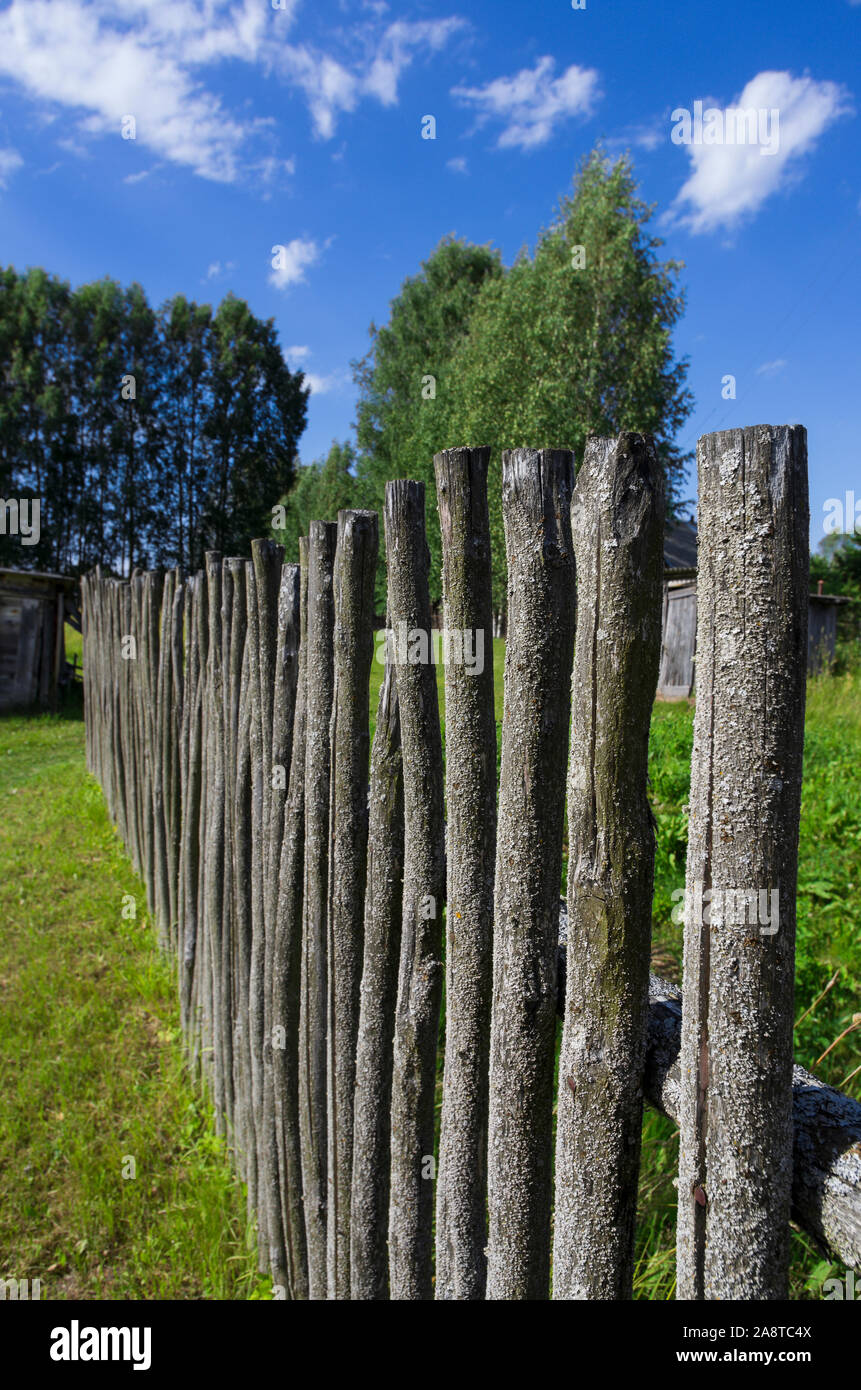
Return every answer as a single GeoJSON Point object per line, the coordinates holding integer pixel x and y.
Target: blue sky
{"type": "Point", "coordinates": [299, 124]}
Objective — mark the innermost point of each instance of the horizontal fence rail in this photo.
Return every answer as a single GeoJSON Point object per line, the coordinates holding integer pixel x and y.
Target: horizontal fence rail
{"type": "Point", "coordinates": [319, 892]}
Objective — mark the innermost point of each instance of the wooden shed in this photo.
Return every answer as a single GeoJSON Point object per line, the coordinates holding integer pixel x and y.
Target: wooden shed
{"type": "Point", "coordinates": [678, 642]}
{"type": "Point", "coordinates": [822, 629]}
{"type": "Point", "coordinates": [679, 633]}
{"type": "Point", "coordinates": [33, 609]}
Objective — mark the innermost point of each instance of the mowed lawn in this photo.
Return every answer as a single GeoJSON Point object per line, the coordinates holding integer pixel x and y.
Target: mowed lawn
{"type": "Point", "coordinates": [91, 1066]}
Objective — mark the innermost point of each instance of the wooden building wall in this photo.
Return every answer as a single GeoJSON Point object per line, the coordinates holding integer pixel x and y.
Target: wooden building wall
{"type": "Point", "coordinates": [678, 640]}
{"type": "Point", "coordinates": [31, 639]}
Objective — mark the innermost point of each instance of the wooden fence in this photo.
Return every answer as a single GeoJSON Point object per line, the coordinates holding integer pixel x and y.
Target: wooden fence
{"type": "Point", "coordinates": [318, 894]}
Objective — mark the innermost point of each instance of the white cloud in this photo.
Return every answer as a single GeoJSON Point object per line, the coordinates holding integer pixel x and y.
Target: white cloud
{"type": "Point", "coordinates": [323, 385]}
{"type": "Point", "coordinates": [291, 262]}
{"type": "Point", "coordinates": [397, 49]}
{"type": "Point", "coordinates": [106, 62]}
{"type": "Point", "coordinates": [10, 161]}
{"type": "Point", "coordinates": [533, 102]}
{"type": "Point", "coordinates": [332, 87]}
{"type": "Point", "coordinates": [643, 137]}
{"type": "Point", "coordinates": [137, 178]}
{"type": "Point", "coordinates": [215, 270]}
{"type": "Point", "coordinates": [771, 368]}
{"type": "Point", "coordinates": [102, 61]}
{"type": "Point", "coordinates": [730, 182]}
{"type": "Point", "coordinates": [329, 87]}
{"type": "Point", "coordinates": [458, 165]}
{"type": "Point", "coordinates": [297, 354]}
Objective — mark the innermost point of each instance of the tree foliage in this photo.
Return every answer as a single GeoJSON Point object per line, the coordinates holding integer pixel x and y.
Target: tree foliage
{"type": "Point", "coordinates": [321, 489]}
{"type": "Point", "coordinates": [573, 339]}
{"type": "Point", "coordinates": [148, 436]}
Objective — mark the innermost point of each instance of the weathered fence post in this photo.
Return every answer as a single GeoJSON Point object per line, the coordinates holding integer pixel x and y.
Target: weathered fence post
{"type": "Point", "coordinates": [198, 831]}
{"type": "Point", "coordinates": [470, 735]}
{"type": "Point", "coordinates": [617, 524]}
{"type": "Point", "coordinates": [313, 1009]}
{"type": "Point", "coordinates": [369, 1261]}
{"type": "Point", "coordinates": [176, 699]}
{"type": "Point", "coordinates": [189, 845]}
{"type": "Point", "coordinates": [242, 924]}
{"type": "Point", "coordinates": [213, 859]}
{"type": "Point", "coordinates": [161, 727]}
{"type": "Point", "coordinates": [355, 572]}
{"type": "Point", "coordinates": [735, 1168]}
{"type": "Point", "coordinates": [536, 500]}
{"type": "Point", "coordinates": [286, 969]}
{"type": "Point", "coordinates": [231, 667]}
{"type": "Point", "coordinates": [263, 580]}
{"type": "Point", "coordinates": [420, 975]}
{"type": "Point", "coordinates": [283, 698]}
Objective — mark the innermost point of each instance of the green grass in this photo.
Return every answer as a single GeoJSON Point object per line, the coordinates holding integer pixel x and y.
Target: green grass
{"type": "Point", "coordinates": [91, 1067]}
{"type": "Point", "coordinates": [91, 1070]}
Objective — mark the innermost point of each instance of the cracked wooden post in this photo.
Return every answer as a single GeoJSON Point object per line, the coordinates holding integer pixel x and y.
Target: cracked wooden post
{"type": "Point", "coordinates": [176, 696]}
{"type": "Point", "coordinates": [234, 623]}
{"type": "Point", "coordinates": [161, 763]}
{"type": "Point", "coordinates": [242, 800]}
{"type": "Point", "coordinates": [313, 989]}
{"type": "Point", "coordinates": [284, 669]}
{"type": "Point", "coordinates": [225, 973]}
{"type": "Point", "coordinates": [420, 973]}
{"type": "Point", "coordinates": [213, 858]}
{"type": "Point", "coordinates": [536, 501]}
{"type": "Point", "coordinates": [470, 732]}
{"type": "Point", "coordinates": [286, 969]}
{"type": "Point", "coordinates": [617, 525]}
{"type": "Point", "coordinates": [369, 1255]}
{"type": "Point", "coordinates": [355, 571]}
{"type": "Point", "coordinates": [192, 791]}
{"type": "Point", "coordinates": [265, 567]}
{"type": "Point", "coordinates": [256, 941]}
{"type": "Point", "coordinates": [826, 1167]}
{"type": "Point", "coordinates": [735, 1164]}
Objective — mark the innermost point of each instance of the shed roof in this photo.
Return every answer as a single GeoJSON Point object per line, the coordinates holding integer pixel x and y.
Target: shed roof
{"type": "Point", "coordinates": [680, 545]}
{"type": "Point", "coordinates": [36, 579]}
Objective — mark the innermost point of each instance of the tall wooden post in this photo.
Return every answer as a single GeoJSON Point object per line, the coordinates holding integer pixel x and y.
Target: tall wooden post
{"type": "Point", "coordinates": [470, 737]}
{"type": "Point", "coordinates": [735, 1166]}
{"type": "Point", "coordinates": [355, 571]}
{"type": "Point", "coordinates": [314, 980]}
{"type": "Point", "coordinates": [536, 500]}
{"type": "Point", "coordinates": [617, 524]}
{"type": "Point", "coordinates": [420, 977]}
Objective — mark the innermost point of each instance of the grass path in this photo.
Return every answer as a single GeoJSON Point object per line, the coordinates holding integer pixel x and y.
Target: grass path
{"type": "Point", "coordinates": [91, 1073]}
